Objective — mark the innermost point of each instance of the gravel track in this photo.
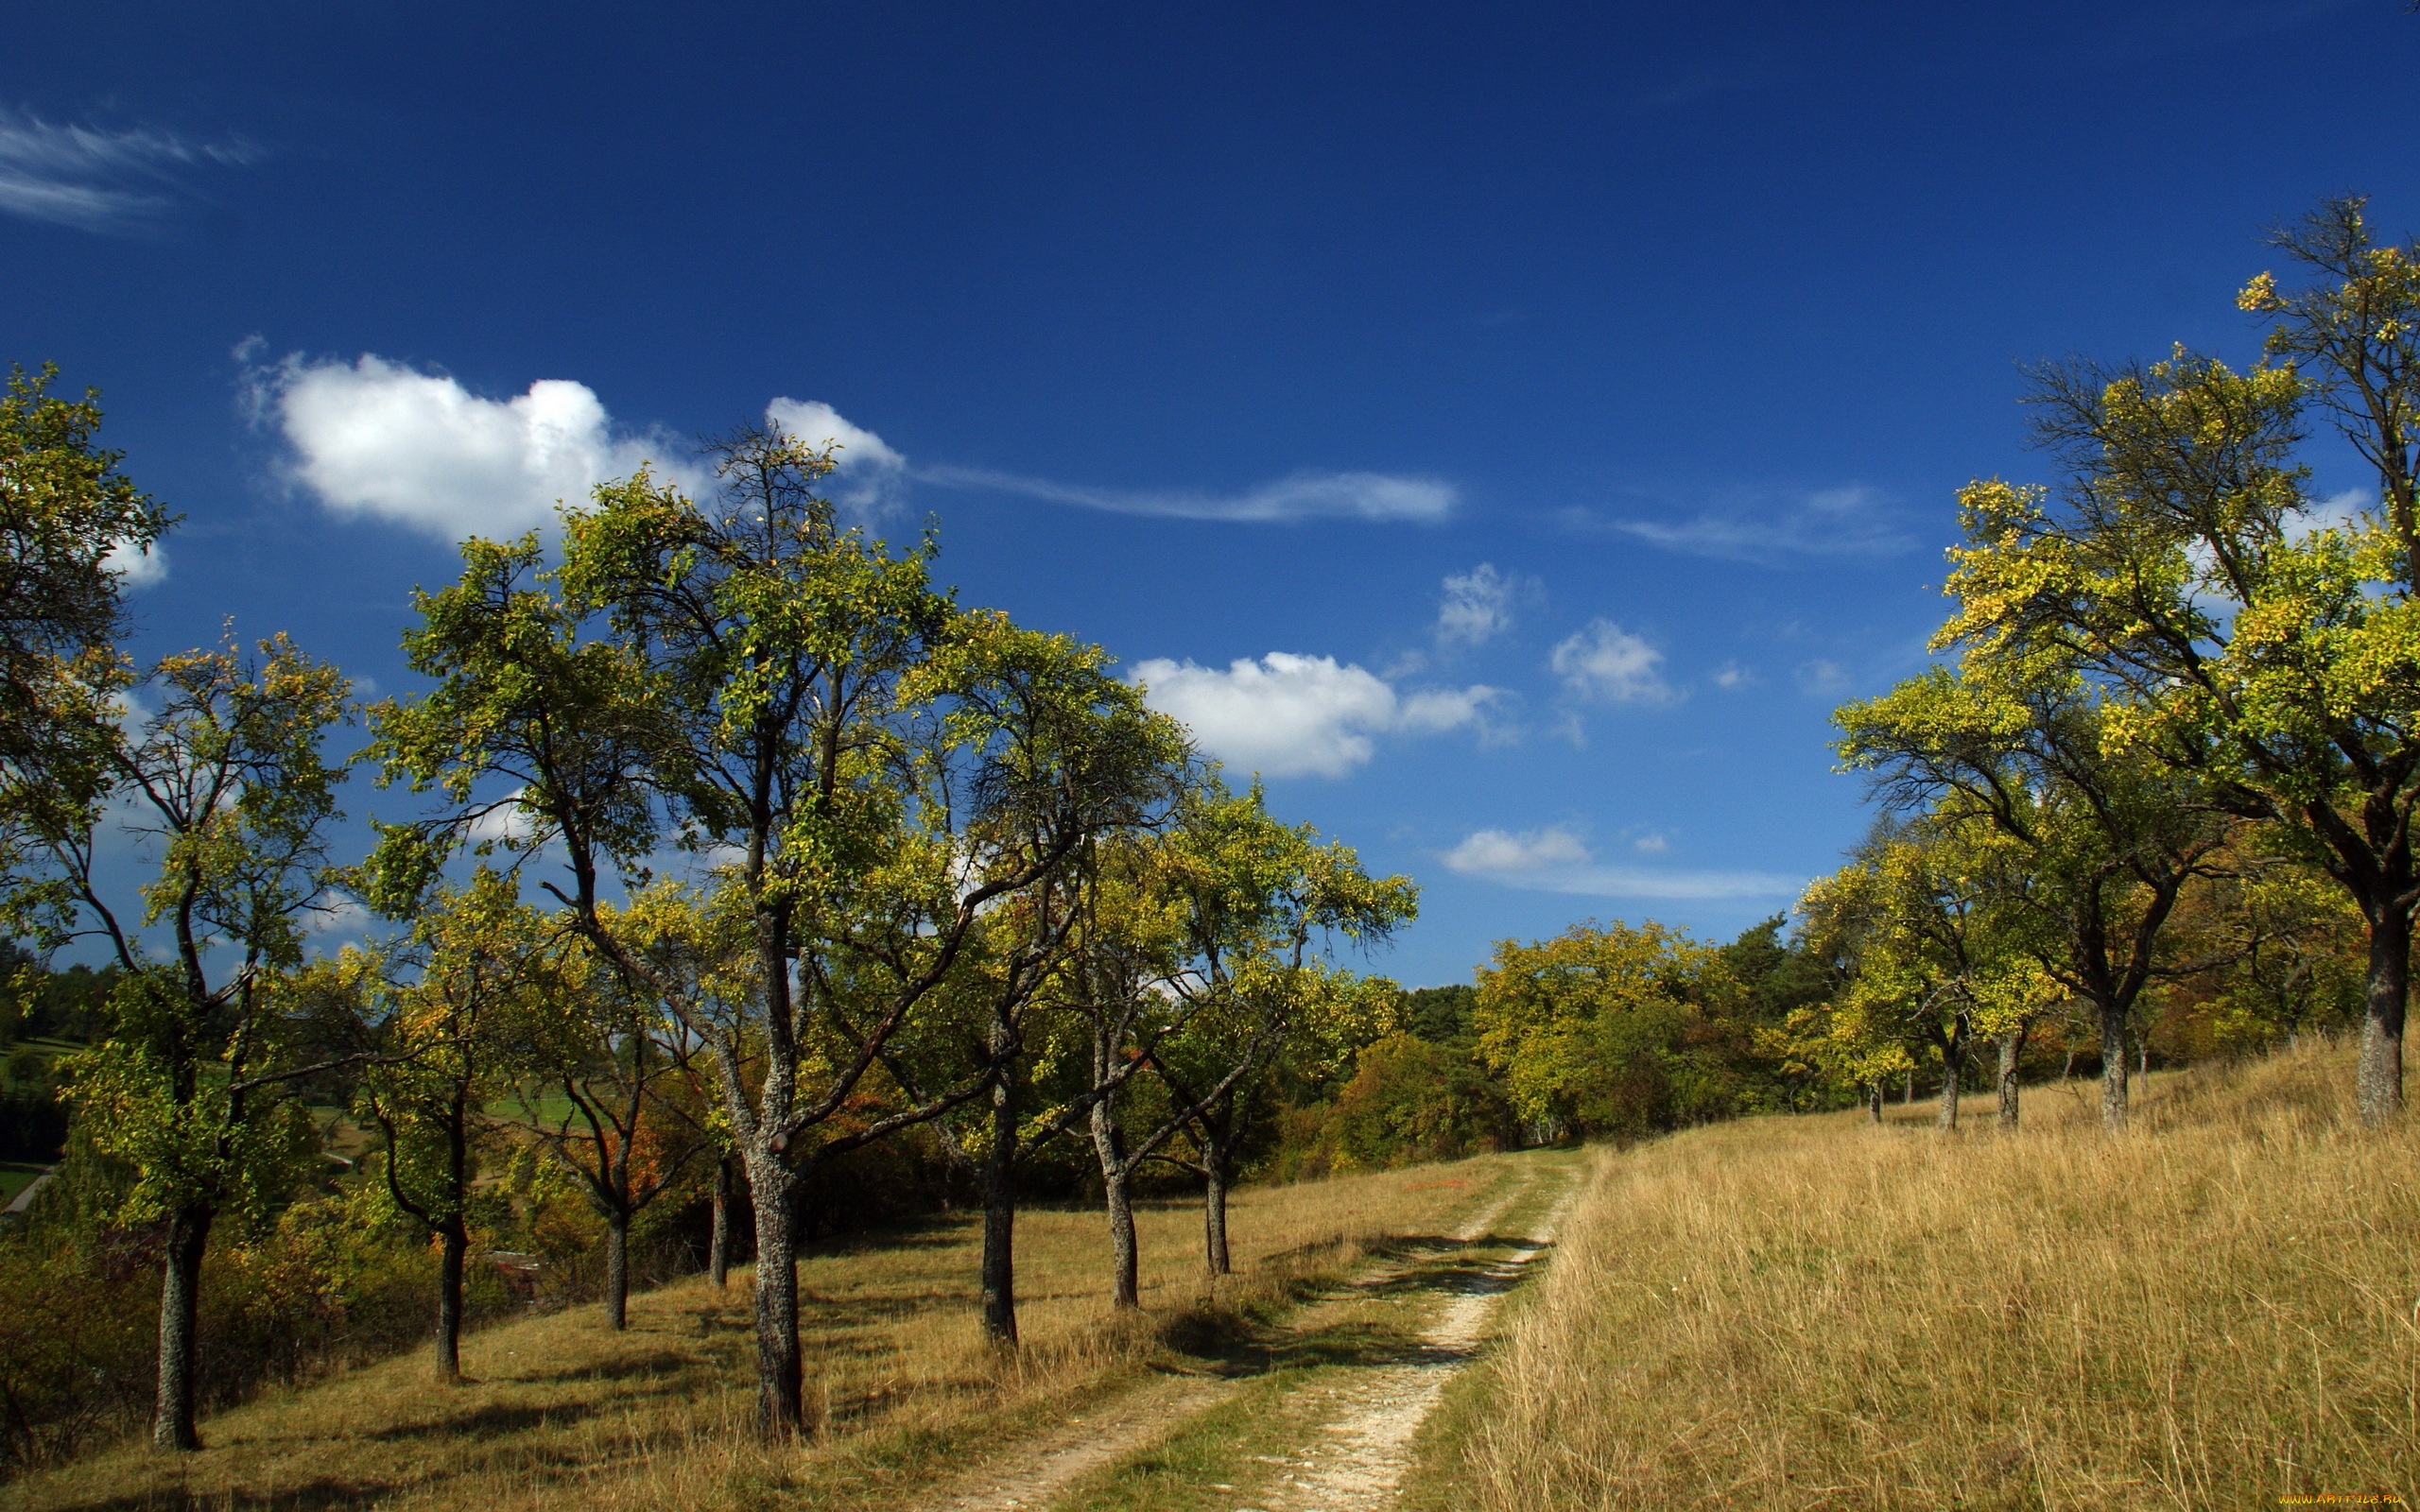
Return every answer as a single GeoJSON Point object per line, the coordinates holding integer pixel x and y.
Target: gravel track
{"type": "Point", "coordinates": [1041, 1469]}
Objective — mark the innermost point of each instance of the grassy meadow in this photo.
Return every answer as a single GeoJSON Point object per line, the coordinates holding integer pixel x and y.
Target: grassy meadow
{"type": "Point", "coordinates": [2218, 1310]}
{"type": "Point", "coordinates": [562, 1414]}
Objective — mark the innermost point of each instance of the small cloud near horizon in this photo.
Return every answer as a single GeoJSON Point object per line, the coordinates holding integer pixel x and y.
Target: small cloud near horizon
{"type": "Point", "coordinates": [1553, 859]}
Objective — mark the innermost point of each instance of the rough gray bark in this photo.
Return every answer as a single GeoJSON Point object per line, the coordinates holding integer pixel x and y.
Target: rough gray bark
{"type": "Point", "coordinates": [2010, 1043]}
{"type": "Point", "coordinates": [453, 1244]}
{"type": "Point", "coordinates": [781, 1400]}
{"type": "Point", "coordinates": [719, 1247]}
{"type": "Point", "coordinates": [1213, 1213]}
{"type": "Point", "coordinates": [1000, 1218]}
{"type": "Point", "coordinates": [1873, 1100]}
{"type": "Point", "coordinates": [173, 1413]}
{"type": "Point", "coordinates": [1117, 1198]}
{"type": "Point", "coordinates": [1907, 1095]}
{"type": "Point", "coordinates": [2378, 1083]}
{"type": "Point", "coordinates": [617, 1270]}
{"type": "Point", "coordinates": [1953, 1061]}
{"type": "Point", "coordinates": [2113, 1068]}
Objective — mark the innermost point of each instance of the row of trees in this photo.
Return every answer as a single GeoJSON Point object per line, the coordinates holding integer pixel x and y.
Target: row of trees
{"type": "Point", "coordinates": [2165, 771]}
{"type": "Point", "coordinates": [2174, 751]}
{"type": "Point", "coordinates": [742, 844]}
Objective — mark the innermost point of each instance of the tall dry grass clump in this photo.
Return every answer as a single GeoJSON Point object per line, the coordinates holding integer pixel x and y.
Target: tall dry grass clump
{"type": "Point", "coordinates": [2220, 1308]}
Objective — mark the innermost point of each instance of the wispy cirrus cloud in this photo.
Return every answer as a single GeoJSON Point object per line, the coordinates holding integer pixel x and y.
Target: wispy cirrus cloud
{"type": "Point", "coordinates": [1851, 521]}
{"type": "Point", "coordinates": [1555, 859]}
{"type": "Point", "coordinates": [112, 182]}
{"type": "Point", "coordinates": [1373, 496]}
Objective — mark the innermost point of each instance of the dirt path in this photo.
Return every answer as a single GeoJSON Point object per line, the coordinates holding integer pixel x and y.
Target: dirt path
{"type": "Point", "coordinates": [1136, 1421]}
{"type": "Point", "coordinates": [1127, 1425]}
{"type": "Point", "coordinates": [1367, 1447]}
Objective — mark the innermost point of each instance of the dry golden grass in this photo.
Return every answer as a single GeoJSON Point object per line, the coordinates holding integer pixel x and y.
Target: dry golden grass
{"type": "Point", "coordinates": [563, 1415]}
{"type": "Point", "coordinates": [2214, 1311]}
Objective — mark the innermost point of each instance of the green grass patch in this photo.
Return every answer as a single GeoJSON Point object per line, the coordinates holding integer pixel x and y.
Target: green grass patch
{"type": "Point", "coordinates": [15, 1176]}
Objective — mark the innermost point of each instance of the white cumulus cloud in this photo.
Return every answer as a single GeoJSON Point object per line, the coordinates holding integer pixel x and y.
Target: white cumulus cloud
{"type": "Point", "coordinates": [1606, 662]}
{"type": "Point", "coordinates": [1287, 716]}
{"type": "Point", "coordinates": [507, 821]}
{"type": "Point", "coordinates": [386, 440]}
{"type": "Point", "coordinates": [1374, 496]}
{"type": "Point", "coordinates": [137, 566]}
{"type": "Point", "coordinates": [1555, 859]}
{"type": "Point", "coordinates": [867, 476]}
{"type": "Point", "coordinates": [1503, 853]}
{"type": "Point", "coordinates": [1478, 604]}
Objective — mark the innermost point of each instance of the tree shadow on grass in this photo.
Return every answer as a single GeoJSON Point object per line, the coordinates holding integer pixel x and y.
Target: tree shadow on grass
{"type": "Point", "coordinates": [318, 1496]}
{"type": "Point", "coordinates": [652, 1363]}
{"type": "Point", "coordinates": [1238, 1345]}
{"type": "Point", "coordinates": [494, 1420]}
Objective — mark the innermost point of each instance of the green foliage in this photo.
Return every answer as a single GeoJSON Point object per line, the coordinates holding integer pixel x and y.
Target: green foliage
{"type": "Point", "coordinates": [189, 1087]}
{"type": "Point", "coordinates": [70, 526]}
{"type": "Point", "coordinates": [1409, 1099]}
{"type": "Point", "coordinates": [1614, 1030]}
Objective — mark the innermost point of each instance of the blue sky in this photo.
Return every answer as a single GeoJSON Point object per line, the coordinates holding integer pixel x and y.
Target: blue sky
{"type": "Point", "coordinates": [1513, 428]}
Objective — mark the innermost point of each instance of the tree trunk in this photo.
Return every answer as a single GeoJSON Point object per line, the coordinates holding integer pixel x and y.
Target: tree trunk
{"type": "Point", "coordinates": [1000, 1219]}
{"type": "Point", "coordinates": [1873, 1099]}
{"type": "Point", "coordinates": [1908, 1094]}
{"type": "Point", "coordinates": [1213, 1213]}
{"type": "Point", "coordinates": [1953, 1061]}
{"type": "Point", "coordinates": [172, 1419]}
{"type": "Point", "coordinates": [2113, 1068]}
{"type": "Point", "coordinates": [780, 1373]}
{"type": "Point", "coordinates": [453, 1245]}
{"type": "Point", "coordinates": [617, 1271]}
{"type": "Point", "coordinates": [1121, 1241]}
{"type": "Point", "coordinates": [2010, 1043]}
{"type": "Point", "coordinates": [2379, 1081]}
{"type": "Point", "coordinates": [1110, 1145]}
{"type": "Point", "coordinates": [719, 1247]}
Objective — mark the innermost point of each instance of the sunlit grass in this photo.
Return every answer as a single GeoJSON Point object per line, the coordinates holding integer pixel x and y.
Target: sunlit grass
{"type": "Point", "coordinates": [2218, 1309]}
{"type": "Point", "coordinates": [901, 1383]}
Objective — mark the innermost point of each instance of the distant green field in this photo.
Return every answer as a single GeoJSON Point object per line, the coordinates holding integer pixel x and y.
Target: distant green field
{"type": "Point", "coordinates": [15, 1176]}
{"type": "Point", "coordinates": [552, 1109]}
{"type": "Point", "coordinates": [47, 1049]}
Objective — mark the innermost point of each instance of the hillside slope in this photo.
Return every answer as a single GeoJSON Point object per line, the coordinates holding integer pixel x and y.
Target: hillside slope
{"type": "Point", "coordinates": [561, 1414]}
{"type": "Point", "coordinates": [2220, 1309]}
